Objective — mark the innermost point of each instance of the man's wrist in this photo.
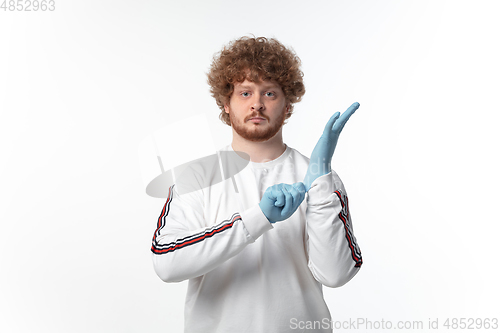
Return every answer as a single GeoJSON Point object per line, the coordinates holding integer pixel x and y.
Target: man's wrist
{"type": "Point", "coordinates": [314, 172]}
{"type": "Point", "coordinates": [321, 188]}
{"type": "Point", "coordinates": [255, 222]}
{"type": "Point", "coordinates": [263, 212]}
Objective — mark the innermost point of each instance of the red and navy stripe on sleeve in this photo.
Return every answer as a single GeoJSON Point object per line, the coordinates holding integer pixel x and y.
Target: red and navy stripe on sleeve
{"type": "Point", "coordinates": [158, 248]}
{"type": "Point", "coordinates": [344, 215]}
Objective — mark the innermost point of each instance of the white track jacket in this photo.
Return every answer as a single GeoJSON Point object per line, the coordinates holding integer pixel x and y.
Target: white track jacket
{"type": "Point", "coordinates": [246, 274]}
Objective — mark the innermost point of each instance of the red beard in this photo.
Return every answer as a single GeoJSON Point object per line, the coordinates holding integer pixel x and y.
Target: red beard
{"type": "Point", "coordinates": [256, 132]}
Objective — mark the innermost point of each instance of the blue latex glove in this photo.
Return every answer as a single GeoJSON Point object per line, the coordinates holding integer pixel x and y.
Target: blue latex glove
{"type": "Point", "coordinates": [280, 201]}
{"type": "Point", "coordinates": [320, 162]}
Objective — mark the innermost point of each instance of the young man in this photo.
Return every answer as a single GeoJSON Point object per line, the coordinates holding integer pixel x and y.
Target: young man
{"type": "Point", "coordinates": [255, 252]}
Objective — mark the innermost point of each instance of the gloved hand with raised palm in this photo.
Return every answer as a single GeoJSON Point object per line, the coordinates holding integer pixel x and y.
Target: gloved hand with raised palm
{"type": "Point", "coordinates": [321, 157]}
{"type": "Point", "coordinates": [280, 201]}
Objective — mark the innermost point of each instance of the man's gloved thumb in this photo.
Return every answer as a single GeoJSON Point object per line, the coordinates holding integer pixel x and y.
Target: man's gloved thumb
{"type": "Point", "coordinates": [299, 186]}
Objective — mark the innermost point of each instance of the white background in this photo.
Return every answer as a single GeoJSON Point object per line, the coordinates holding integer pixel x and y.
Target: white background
{"type": "Point", "coordinates": [81, 87]}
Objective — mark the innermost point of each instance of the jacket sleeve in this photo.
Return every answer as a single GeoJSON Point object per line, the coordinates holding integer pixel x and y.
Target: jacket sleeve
{"type": "Point", "coordinates": [184, 247]}
{"type": "Point", "coordinates": [334, 254]}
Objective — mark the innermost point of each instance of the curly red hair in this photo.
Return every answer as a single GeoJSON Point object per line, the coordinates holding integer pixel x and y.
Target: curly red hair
{"type": "Point", "coordinates": [255, 59]}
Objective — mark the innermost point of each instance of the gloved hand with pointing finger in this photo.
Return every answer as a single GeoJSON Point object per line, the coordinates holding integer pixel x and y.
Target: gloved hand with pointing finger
{"type": "Point", "coordinates": [321, 157]}
{"type": "Point", "coordinates": [280, 201]}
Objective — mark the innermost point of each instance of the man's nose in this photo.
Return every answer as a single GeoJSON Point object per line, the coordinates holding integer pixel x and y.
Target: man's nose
{"type": "Point", "coordinates": [258, 105]}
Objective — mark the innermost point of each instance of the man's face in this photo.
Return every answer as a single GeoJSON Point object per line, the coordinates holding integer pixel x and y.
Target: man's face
{"type": "Point", "coordinates": [257, 109]}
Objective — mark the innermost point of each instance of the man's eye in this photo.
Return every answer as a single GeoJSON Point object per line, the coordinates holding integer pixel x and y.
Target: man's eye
{"type": "Point", "coordinates": [270, 94]}
{"type": "Point", "coordinates": [245, 94]}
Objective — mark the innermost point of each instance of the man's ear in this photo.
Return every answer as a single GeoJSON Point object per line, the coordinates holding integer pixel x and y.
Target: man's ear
{"type": "Point", "coordinates": [287, 108]}
{"type": "Point", "coordinates": [226, 108]}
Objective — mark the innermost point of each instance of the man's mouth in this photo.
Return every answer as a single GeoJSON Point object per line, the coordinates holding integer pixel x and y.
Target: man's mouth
{"type": "Point", "coordinates": [257, 120]}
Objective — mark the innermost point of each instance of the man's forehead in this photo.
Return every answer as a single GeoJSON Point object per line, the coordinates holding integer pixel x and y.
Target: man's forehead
{"type": "Point", "coordinates": [251, 84]}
